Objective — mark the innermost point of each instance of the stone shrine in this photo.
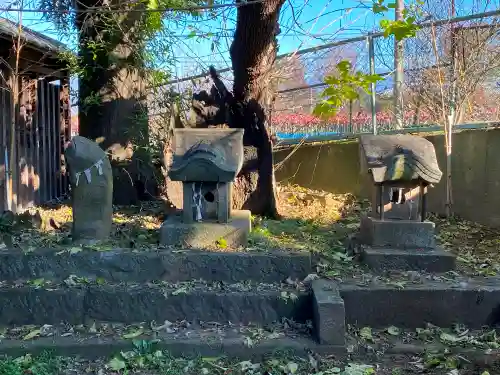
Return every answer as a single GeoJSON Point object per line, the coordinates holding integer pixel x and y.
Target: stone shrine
{"type": "Point", "coordinates": [91, 180]}
{"type": "Point", "coordinates": [396, 235]}
{"type": "Point", "coordinates": [206, 161]}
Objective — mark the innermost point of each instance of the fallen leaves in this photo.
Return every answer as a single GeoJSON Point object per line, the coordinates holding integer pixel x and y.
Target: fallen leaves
{"type": "Point", "coordinates": [134, 334]}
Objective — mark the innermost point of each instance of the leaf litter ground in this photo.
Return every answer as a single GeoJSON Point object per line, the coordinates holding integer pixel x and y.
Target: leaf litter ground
{"type": "Point", "coordinates": [312, 221]}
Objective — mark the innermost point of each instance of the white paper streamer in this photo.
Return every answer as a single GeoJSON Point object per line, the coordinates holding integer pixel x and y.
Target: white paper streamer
{"type": "Point", "coordinates": [197, 200]}
{"type": "Point", "coordinates": [88, 172]}
{"type": "Point", "coordinates": [98, 164]}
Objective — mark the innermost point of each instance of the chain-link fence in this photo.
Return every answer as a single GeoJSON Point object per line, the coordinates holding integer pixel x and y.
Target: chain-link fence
{"type": "Point", "coordinates": [451, 68]}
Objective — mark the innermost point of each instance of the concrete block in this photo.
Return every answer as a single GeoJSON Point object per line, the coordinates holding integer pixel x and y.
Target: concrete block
{"type": "Point", "coordinates": [397, 233]}
{"type": "Point", "coordinates": [174, 232]}
{"type": "Point", "coordinates": [472, 303]}
{"type": "Point", "coordinates": [129, 266]}
{"type": "Point", "coordinates": [329, 313]}
{"type": "Point", "coordinates": [429, 260]}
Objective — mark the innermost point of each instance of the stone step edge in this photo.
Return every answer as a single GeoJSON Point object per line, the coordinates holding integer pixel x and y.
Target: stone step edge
{"type": "Point", "coordinates": [126, 265]}
{"type": "Point", "coordinates": [96, 348]}
{"type": "Point", "coordinates": [106, 348]}
{"type": "Point", "coordinates": [474, 356]}
{"type": "Point", "coordinates": [75, 305]}
{"type": "Point", "coordinates": [472, 302]}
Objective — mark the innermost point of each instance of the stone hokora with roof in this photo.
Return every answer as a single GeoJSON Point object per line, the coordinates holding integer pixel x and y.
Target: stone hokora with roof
{"type": "Point", "coordinates": [206, 161]}
{"type": "Point", "coordinates": [396, 234]}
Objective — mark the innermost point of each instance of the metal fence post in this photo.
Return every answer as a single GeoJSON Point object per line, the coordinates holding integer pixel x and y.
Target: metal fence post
{"type": "Point", "coordinates": [373, 101]}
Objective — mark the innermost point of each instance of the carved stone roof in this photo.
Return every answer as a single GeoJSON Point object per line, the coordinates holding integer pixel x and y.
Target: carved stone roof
{"type": "Point", "coordinates": [402, 157]}
{"type": "Point", "coordinates": [210, 155]}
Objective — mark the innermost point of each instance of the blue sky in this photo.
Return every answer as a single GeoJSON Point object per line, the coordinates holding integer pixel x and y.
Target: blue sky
{"type": "Point", "coordinates": [320, 21]}
{"type": "Point", "coordinates": [304, 24]}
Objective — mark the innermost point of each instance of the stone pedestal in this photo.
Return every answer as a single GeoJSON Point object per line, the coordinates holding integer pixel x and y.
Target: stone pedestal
{"type": "Point", "coordinates": [397, 233]}
{"type": "Point", "coordinates": [402, 245]}
{"type": "Point", "coordinates": [206, 234]}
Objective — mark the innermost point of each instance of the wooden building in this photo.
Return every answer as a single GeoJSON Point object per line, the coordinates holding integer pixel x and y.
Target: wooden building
{"type": "Point", "coordinates": [35, 116]}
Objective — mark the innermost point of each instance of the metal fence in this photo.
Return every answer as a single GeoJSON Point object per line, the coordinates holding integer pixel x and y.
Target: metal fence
{"type": "Point", "coordinates": [32, 159]}
{"type": "Point", "coordinates": [462, 53]}
{"type": "Point", "coordinates": [472, 43]}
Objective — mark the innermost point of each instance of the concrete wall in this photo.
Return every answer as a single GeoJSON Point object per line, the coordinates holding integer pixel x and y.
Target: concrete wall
{"type": "Point", "coordinates": [334, 167]}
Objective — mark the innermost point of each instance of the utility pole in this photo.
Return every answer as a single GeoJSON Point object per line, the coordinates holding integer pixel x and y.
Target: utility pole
{"type": "Point", "coordinates": [399, 70]}
{"type": "Point", "coordinates": [452, 114]}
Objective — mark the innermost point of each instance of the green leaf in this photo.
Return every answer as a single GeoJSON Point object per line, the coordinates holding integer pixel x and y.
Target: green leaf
{"type": "Point", "coordinates": [451, 339]}
{"type": "Point", "coordinates": [394, 331]}
{"type": "Point", "coordinates": [366, 333]}
{"type": "Point", "coordinates": [75, 250]}
{"type": "Point", "coordinates": [38, 282]}
{"type": "Point", "coordinates": [221, 243]}
{"type": "Point", "coordinates": [134, 334]}
{"type": "Point", "coordinates": [117, 364]}
{"type": "Point", "coordinates": [182, 290]}
{"type": "Point", "coordinates": [292, 367]}
{"type": "Point", "coordinates": [32, 334]}
{"type": "Point", "coordinates": [191, 35]}
{"type": "Point", "coordinates": [377, 8]}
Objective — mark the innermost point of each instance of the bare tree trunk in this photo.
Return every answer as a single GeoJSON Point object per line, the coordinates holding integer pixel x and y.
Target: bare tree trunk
{"type": "Point", "coordinates": [253, 53]}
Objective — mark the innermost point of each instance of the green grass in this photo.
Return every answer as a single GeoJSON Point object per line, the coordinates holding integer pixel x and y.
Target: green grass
{"type": "Point", "coordinates": [44, 364]}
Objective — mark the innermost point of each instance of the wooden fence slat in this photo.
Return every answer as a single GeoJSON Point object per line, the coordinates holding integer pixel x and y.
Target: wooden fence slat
{"type": "Point", "coordinates": [60, 139]}
{"type": "Point", "coordinates": [53, 138]}
{"type": "Point", "coordinates": [31, 141]}
{"type": "Point", "coordinates": [36, 143]}
{"type": "Point", "coordinates": [50, 145]}
{"type": "Point", "coordinates": [3, 142]}
{"type": "Point", "coordinates": [67, 128]}
{"type": "Point", "coordinates": [43, 130]}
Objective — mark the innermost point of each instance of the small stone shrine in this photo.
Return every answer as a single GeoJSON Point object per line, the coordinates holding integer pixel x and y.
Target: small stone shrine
{"type": "Point", "coordinates": [396, 235]}
{"type": "Point", "coordinates": [206, 161]}
{"type": "Point", "coordinates": [91, 180]}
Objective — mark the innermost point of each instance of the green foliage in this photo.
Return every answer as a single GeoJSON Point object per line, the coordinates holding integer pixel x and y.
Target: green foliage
{"type": "Point", "coordinates": [89, 101]}
{"type": "Point", "coordinates": [401, 29]}
{"type": "Point", "coordinates": [343, 87]}
{"type": "Point", "coordinates": [6, 222]}
{"type": "Point", "coordinates": [44, 364]}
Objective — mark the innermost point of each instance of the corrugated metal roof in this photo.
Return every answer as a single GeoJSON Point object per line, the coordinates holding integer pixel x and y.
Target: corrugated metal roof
{"type": "Point", "coordinates": [35, 39]}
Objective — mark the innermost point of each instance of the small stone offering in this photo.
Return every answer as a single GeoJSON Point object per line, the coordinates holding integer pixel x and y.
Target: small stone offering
{"type": "Point", "coordinates": [91, 180]}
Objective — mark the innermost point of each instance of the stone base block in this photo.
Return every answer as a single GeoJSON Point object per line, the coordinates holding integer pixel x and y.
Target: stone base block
{"type": "Point", "coordinates": [397, 233]}
{"type": "Point", "coordinates": [471, 302]}
{"type": "Point", "coordinates": [174, 232]}
{"type": "Point", "coordinates": [329, 313]}
{"type": "Point", "coordinates": [429, 260]}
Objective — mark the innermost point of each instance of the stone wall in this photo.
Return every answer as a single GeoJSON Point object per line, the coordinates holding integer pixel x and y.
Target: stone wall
{"type": "Point", "coordinates": [334, 167]}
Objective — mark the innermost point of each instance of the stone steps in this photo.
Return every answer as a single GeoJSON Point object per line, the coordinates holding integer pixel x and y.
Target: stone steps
{"type": "Point", "coordinates": [236, 303]}
{"type": "Point", "coordinates": [472, 302]}
{"type": "Point", "coordinates": [144, 266]}
{"type": "Point", "coordinates": [227, 344]}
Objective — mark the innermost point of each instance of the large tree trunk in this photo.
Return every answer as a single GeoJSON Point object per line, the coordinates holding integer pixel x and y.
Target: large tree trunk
{"type": "Point", "coordinates": [113, 107]}
{"type": "Point", "coordinates": [253, 53]}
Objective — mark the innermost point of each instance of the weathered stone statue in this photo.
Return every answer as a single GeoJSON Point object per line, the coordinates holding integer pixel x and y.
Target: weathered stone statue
{"type": "Point", "coordinates": [396, 234]}
{"type": "Point", "coordinates": [206, 161]}
{"type": "Point", "coordinates": [91, 181]}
